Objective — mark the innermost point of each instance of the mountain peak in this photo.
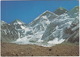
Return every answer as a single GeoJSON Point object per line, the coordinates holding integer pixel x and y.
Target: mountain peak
{"type": "Point", "coordinates": [47, 11]}
{"type": "Point", "coordinates": [60, 11]}
{"type": "Point", "coordinates": [61, 8]}
{"type": "Point", "coordinates": [17, 21]}
{"type": "Point", "coordinates": [76, 7]}
{"type": "Point", "coordinates": [74, 12]}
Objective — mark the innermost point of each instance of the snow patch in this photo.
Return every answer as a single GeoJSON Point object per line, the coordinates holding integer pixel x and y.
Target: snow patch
{"type": "Point", "coordinates": [22, 27]}
{"type": "Point", "coordinates": [19, 23]}
{"type": "Point", "coordinates": [56, 41]}
{"type": "Point", "coordinates": [23, 40]}
{"type": "Point", "coordinates": [45, 17]}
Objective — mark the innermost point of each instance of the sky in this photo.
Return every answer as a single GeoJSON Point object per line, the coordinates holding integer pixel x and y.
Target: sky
{"type": "Point", "coordinates": [27, 11]}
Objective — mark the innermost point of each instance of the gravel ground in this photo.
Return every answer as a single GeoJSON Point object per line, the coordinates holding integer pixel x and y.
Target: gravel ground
{"type": "Point", "coordinates": [9, 49]}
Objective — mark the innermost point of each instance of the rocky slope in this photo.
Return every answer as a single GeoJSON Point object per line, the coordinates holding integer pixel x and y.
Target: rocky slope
{"type": "Point", "coordinates": [67, 49]}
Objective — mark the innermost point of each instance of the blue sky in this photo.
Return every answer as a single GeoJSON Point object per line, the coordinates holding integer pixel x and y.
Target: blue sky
{"type": "Point", "coordinates": [27, 11]}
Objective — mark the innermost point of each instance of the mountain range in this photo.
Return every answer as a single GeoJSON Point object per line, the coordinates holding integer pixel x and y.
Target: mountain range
{"type": "Point", "coordinates": [47, 29]}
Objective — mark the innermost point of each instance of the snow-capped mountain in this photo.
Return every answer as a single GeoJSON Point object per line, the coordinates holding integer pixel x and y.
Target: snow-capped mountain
{"type": "Point", "coordinates": [8, 33]}
{"type": "Point", "coordinates": [11, 32]}
{"type": "Point", "coordinates": [57, 27]}
{"type": "Point", "coordinates": [74, 12]}
{"type": "Point", "coordinates": [18, 24]}
{"type": "Point", "coordinates": [47, 15]}
{"type": "Point", "coordinates": [47, 29]}
{"type": "Point", "coordinates": [21, 27]}
{"type": "Point", "coordinates": [42, 21]}
{"type": "Point", "coordinates": [39, 25]}
{"type": "Point", "coordinates": [61, 28]}
{"type": "Point", "coordinates": [60, 11]}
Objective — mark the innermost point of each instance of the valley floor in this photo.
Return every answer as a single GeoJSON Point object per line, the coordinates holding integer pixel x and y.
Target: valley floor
{"type": "Point", "coordinates": [8, 49]}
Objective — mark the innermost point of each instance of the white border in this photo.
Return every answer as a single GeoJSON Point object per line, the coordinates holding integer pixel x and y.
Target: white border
{"type": "Point", "coordinates": [38, 56]}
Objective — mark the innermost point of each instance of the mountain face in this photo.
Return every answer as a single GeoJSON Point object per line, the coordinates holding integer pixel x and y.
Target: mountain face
{"type": "Point", "coordinates": [42, 21]}
{"type": "Point", "coordinates": [74, 37]}
{"type": "Point", "coordinates": [63, 27]}
{"type": "Point", "coordinates": [58, 28]}
{"type": "Point", "coordinates": [47, 29]}
{"type": "Point", "coordinates": [74, 12]}
{"type": "Point", "coordinates": [11, 32]}
{"type": "Point", "coordinates": [40, 24]}
{"type": "Point", "coordinates": [18, 24]}
{"type": "Point", "coordinates": [8, 33]}
{"type": "Point", "coordinates": [60, 11]}
{"type": "Point", "coordinates": [21, 27]}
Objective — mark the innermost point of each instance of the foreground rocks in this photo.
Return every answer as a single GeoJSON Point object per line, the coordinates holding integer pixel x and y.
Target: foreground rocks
{"type": "Point", "coordinates": [8, 49]}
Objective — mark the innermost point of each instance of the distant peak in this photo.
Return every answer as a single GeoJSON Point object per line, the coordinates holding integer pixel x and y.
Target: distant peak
{"type": "Point", "coordinates": [47, 11]}
{"type": "Point", "coordinates": [17, 21]}
{"type": "Point", "coordinates": [60, 11]}
{"type": "Point", "coordinates": [61, 8]}
{"type": "Point", "coordinates": [76, 7]}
